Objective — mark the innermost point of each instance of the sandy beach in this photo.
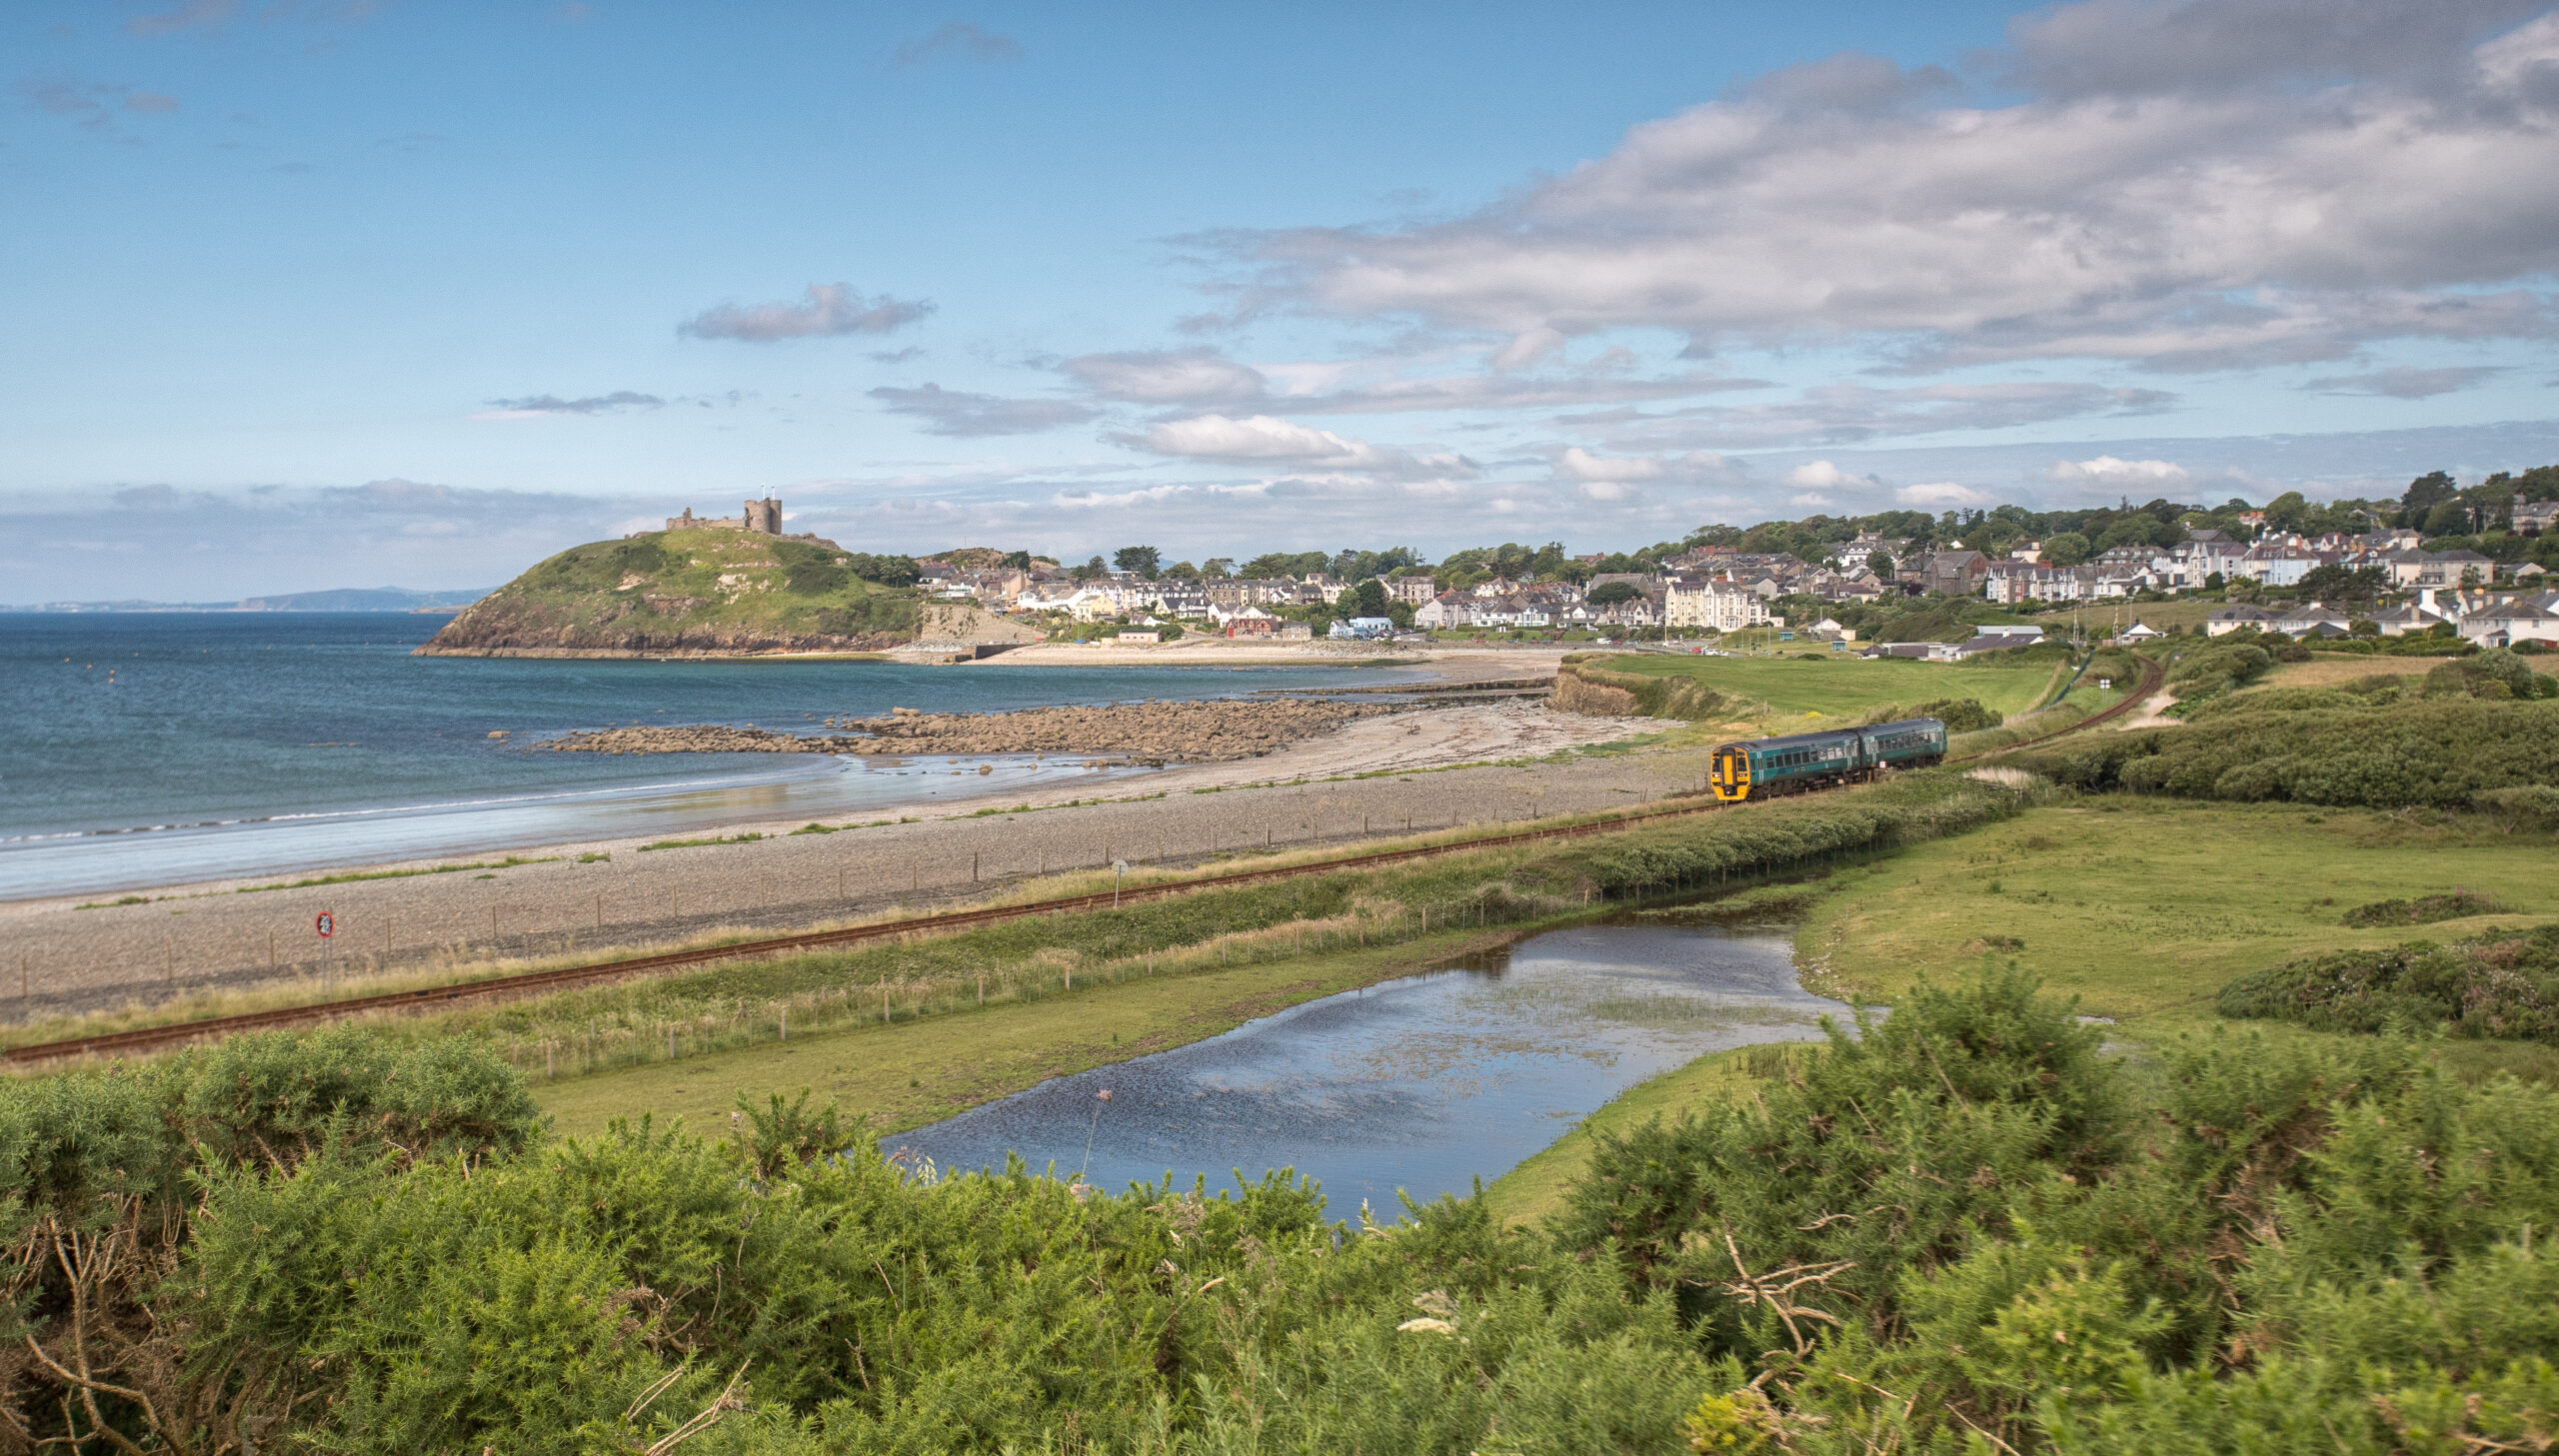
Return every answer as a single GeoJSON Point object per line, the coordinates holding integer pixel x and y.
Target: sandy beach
{"type": "Point", "coordinates": [598, 896]}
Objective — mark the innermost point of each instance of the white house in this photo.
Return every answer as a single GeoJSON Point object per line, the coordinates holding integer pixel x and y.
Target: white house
{"type": "Point", "coordinates": [2508, 623]}
{"type": "Point", "coordinates": [1712, 603]}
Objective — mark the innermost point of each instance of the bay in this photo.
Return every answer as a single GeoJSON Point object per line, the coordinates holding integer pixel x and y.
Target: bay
{"type": "Point", "coordinates": [144, 749]}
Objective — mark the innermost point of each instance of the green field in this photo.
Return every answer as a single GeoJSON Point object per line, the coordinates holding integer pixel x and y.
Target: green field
{"type": "Point", "coordinates": [1773, 690]}
{"type": "Point", "coordinates": [908, 1074]}
{"type": "Point", "coordinates": [2145, 907]}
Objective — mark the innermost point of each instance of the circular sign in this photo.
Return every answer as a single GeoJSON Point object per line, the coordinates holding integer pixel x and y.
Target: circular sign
{"type": "Point", "coordinates": [326, 923]}
{"type": "Point", "coordinates": [1119, 866]}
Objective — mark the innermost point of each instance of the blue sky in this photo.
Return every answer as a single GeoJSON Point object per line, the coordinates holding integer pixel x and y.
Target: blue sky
{"type": "Point", "coordinates": [326, 294]}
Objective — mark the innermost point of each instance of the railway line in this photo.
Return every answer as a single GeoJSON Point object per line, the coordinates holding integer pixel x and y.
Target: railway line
{"type": "Point", "coordinates": [153, 1038]}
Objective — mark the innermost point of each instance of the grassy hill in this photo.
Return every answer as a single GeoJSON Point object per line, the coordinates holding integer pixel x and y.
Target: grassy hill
{"type": "Point", "coordinates": [685, 592]}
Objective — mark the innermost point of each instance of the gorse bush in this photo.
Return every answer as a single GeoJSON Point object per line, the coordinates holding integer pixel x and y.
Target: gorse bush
{"type": "Point", "coordinates": [2442, 753]}
{"type": "Point", "coordinates": [2425, 910]}
{"type": "Point", "coordinates": [2503, 984]}
{"type": "Point", "coordinates": [1963, 1225]}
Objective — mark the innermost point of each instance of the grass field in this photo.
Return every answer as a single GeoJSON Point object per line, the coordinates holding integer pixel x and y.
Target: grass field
{"type": "Point", "coordinates": [2142, 913]}
{"type": "Point", "coordinates": [909, 1073]}
{"type": "Point", "coordinates": [2144, 908]}
{"type": "Point", "coordinates": [1780, 689]}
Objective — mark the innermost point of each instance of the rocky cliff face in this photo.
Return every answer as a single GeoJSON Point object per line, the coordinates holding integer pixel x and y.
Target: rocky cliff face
{"type": "Point", "coordinates": [683, 591]}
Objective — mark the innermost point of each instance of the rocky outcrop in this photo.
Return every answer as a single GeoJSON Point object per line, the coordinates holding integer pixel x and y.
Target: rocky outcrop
{"type": "Point", "coordinates": [1149, 733]}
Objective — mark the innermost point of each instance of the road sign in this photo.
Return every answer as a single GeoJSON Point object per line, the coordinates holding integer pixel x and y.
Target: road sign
{"type": "Point", "coordinates": [326, 923]}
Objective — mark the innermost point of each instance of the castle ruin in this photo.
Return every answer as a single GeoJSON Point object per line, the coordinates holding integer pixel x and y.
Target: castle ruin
{"type": "Point", "coordinates": [763, 517]}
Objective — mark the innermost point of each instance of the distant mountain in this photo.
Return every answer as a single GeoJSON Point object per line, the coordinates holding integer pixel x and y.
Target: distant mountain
{"type": "Point", "coordinates": [363, 599]}
{"type": "Point", "coordinates": [690, 591]}
{"type": "Point", "coordinates": [345, 598]}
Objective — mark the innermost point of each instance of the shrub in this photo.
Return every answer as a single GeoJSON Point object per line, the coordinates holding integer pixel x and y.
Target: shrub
{"type": "Point", "coordinates": [1961, 714]}
{"type": "Point", "coordinates": [2500, 984]}
{"type": "Point", "coordinates": [2423, 911]}
{"type": "Point", "coordinates": [2439, 752]}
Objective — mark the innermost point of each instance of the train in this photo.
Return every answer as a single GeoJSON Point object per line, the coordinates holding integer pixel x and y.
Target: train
{"type": "Point", "coordinates": [1767, 768]}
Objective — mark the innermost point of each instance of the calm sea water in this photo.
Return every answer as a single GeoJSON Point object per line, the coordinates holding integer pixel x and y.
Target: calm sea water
{"type": "Point", "coordinates": [1421, 1085]}
{"type": "Point", "coordinates": [143, 749]}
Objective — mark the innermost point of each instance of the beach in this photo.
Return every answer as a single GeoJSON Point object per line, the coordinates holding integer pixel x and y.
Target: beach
{"type": "Point", "coordinates": [1360, 775]}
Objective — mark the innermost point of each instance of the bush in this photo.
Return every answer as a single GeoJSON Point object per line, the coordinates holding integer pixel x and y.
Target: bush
{"type": "Point", "coordinates": [2309, 749]}
{"type": "Point", "coordinates": [2502, 984]}
{"type": "Point", "coordinates": [1961, 714]}
{"type": "Point", "coordinates": [2423, 911]}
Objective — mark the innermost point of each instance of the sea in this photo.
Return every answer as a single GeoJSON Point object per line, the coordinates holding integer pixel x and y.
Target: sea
{"type": "Point", "coordinates": [149, 749]}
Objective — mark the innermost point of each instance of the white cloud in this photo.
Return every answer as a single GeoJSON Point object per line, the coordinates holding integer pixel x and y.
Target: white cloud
{"type": "Point", "coordinates": [1812, 499]}
{"type": "Point", "coordinates": [1606, 490]}
{"type": "Point", "coordinates": [1166, 377]}
{"type": "Point", "coordinates": [1942, 493]}
{"type": "Point", "coordinates": [1267, 440]}
{"type": "Point", "coordinates": [1819, 475]}
{"type": "Point", "coordinates": [962, 414]}
{"type": "Point", "coordinates": [2107, 473]}
{"type": "Point", "coordinates": [959, 41]}
{"type": "Point", "coordinates": [2183, 185]}
{"type": "Point", "coordinates": [824, 311]}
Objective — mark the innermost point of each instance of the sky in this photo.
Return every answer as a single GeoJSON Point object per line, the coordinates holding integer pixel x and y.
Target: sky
{"type": "Point", "coordinates": [304, 294]}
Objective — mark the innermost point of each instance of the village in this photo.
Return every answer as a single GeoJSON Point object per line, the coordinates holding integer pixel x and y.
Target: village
{"type": "Point", "coordinates": [2383, 581]}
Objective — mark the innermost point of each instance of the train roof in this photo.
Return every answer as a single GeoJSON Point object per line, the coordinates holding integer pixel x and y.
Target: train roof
{"type": "Point", "coordinates": [1798, 740]}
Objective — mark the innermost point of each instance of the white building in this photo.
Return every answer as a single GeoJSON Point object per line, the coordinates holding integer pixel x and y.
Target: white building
{"type": "Point", "coordinates": [1714, 604]}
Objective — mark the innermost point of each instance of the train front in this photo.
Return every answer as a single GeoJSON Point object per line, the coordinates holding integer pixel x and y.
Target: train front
{"type": "Point", "coordinates": [1729, 772]}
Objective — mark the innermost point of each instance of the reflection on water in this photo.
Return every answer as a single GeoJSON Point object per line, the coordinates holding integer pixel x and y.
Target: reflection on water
{"type": "Point", "coordinates": [1421, 1085]}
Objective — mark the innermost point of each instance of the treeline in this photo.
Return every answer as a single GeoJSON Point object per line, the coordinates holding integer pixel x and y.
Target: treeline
{"type": "Point", "coordinates": [1963, 1227]}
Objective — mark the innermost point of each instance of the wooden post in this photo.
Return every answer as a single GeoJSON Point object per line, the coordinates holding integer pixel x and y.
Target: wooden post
{"type": "Point", "coordinates": [271, 948]}
{"type": "Point", "coordinates": [550, 1062]}
{"type": "Point", "coordinates": [981, 988]}
{"type": "Point", "coordinates": [786, 1021]}
{"type": "Point", "coordinates": [598, 913]}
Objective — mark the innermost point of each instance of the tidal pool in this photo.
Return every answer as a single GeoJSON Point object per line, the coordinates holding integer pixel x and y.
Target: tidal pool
{"type": "Point", "coordinates": [1421, 1085]}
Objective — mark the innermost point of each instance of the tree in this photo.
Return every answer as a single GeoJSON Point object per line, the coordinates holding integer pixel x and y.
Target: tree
{"type": "Point", "coordinates": [1183, 571]}
{"type": "Point", "coordinates": [1610, 593]}
{"type": "Point", "coordinates": [2448, 518]}
{"type": "Point", "coordinates": [1217, 566]}
{"type": "Point", "coordinates": [1880, 563]}
{"type": "Point", "coordinates": [2336, 581]}
{"type": "Point", "coordinates": [1089, 570]}
{"type": "Point", "coordinates": [1137, 561]}
{"type": "Point", "coordinates": [2427, 492]}
{"type": "Point", "coordinates": [2068, 549]}
{"type": "Point", "coordinates": [1020, 561]}
{"type": "Point", "coordinates": [1372, 597]}
{"type": "Point", "coordinates": [2287, 511]}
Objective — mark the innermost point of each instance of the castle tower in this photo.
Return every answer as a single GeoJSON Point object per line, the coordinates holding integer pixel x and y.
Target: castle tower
{"type": "Point", "coordinates": [765, 515]}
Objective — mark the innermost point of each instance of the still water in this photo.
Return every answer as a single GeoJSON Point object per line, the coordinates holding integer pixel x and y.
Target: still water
{"type": "Point", "coordinates": [1421, 1085]}
{"type": "Point", "coordinates": [150, 747]}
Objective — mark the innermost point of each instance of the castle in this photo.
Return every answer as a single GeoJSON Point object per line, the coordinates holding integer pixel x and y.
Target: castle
{"type": "Point", "coordinates": [763, 517]}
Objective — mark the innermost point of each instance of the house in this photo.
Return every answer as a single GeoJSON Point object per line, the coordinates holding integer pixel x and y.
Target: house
{"type": "Point", "coordinates": [2534, 518]}
{"type": "Point", "coordinates": [2275, 566]}
{"type": "Point", "coordinates": [2290, 621]}
{"type": "Point", "coordinates": [1363, 628]}
{"type": "Point", "coordinates": [1712, 603]}
{"type": "Point", "coordinates": [1410, 590]}
{"type": "Point", "coordinates": [1954, 572]}
{"type": "Point", "coordinates": [2508, 623]}
{"type": "Point", "coordinates": [1131, 636]}
{"type": "Point", "coordinates": [1251, 621]}
{"type": "Point", "coordinates": [2139, 631]}
{"type": "Point", "coordinates": [1446, 610]}
{"type": "Point", "coordinates": [1294, 632]}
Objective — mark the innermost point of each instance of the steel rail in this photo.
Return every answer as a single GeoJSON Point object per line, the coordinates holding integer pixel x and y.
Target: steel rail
{"type": "Point", "coordinates": [148, 1038]}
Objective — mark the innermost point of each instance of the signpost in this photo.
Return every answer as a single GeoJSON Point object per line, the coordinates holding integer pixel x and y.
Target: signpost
{"type": "Point", "coordinates": [1119, 871]}
{"type": "Point", "coordinates": [327, 924]}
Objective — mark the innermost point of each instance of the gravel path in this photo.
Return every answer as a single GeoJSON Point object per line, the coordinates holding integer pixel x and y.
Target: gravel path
{"type": "Point", "coordinates": [55, 958]}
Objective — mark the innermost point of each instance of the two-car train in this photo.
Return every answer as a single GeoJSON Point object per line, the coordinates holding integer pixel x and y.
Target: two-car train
{"type": "Point", "coordinates": [1765, 767]}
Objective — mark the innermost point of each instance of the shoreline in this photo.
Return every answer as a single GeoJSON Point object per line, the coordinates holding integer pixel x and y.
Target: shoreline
{"type": "Point", "coordinates": [1377, 777]}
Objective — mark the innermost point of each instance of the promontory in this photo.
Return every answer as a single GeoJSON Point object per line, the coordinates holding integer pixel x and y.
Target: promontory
{"type": "Point", "coordinates": [706, 589]}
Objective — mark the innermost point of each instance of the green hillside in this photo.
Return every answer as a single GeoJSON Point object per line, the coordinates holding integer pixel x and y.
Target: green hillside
{"type": "Point", "coordinates": [691, 590]}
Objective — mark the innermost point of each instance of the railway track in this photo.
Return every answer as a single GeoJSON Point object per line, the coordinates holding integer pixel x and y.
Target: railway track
{"type": "Point", "coordinates": [152, 1038]}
